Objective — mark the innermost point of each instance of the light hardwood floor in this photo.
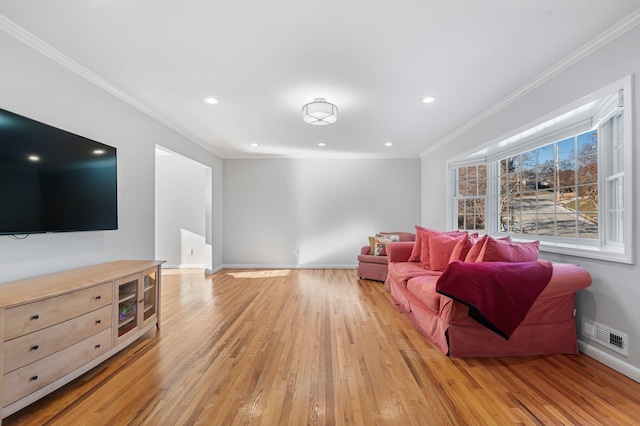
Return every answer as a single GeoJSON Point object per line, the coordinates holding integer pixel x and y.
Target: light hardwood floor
{"type": "Point", "coordinates": [280, 347]}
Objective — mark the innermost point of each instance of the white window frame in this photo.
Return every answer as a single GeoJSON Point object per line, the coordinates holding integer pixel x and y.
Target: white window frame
{"type": "Point", "coordinates": [465, 198]}
{"type": "Point", "coordinates": [520, 140]}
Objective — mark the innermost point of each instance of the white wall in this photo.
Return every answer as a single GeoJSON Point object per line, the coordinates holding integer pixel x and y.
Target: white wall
{"type": "Point", "coordinates": [612, 299]}
{"type": "Point", "coordinates": [33, 85]}
{"type": "Point", "coordinates": [326, 209]}
{"type": "Point", "coordinates": [181, 205]}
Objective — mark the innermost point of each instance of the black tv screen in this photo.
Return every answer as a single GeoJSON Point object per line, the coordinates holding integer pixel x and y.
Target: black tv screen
{"type": "Point", "coordinates": [54, 181]}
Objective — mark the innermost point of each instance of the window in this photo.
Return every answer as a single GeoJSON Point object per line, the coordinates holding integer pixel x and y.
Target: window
{"type": "Point", "coordinates": [470, 197]}
{"type": "Point", "coordinates": [561, 181]}
{"type": "Point", "coordinates": [612, 135]}
{"type": "Point", "coordinates": [551, 190]}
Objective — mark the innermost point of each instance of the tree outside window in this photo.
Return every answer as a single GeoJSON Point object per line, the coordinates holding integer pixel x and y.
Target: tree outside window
{"type": "Point", "coordinates": [551, 190]}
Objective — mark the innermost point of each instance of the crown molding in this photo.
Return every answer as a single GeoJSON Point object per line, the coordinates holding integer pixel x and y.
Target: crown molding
{"type": "Point", "coordinates": [267, 156]}
{"type": "Point", "coordinates": [49, 51]}
{"type": "Point", "coordinates": [602, 40]}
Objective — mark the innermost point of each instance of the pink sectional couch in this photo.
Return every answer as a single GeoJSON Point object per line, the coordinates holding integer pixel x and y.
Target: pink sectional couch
{"type": "Point", "coordinates": [548, 327]}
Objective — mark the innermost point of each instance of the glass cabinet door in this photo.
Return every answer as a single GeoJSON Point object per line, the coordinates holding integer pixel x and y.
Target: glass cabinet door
{"type": "Point", "coordinates": [127, 304]}
{"type": "Point", "coordinates": [137, 303]}
{"type": "Point", "coordinates": [149, 294]}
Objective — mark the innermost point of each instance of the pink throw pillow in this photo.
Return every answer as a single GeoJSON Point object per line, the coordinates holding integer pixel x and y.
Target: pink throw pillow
{"type": "Point", "coordinates": [478, 245]}
{"type": "Point", "coordinates": [506, 251]}
{"type": "Point", "coordinates": [415, 252]}
{"type": "Point", "coordinates": [443, 248]}
{"type": "Point", "coordinates": [468, 245]}
{"type": "Point", "coordinates": [475, 250]}
{"type": "Point", "coordinates": [424, 243]}
{"type": "Point", "coordinates": [424, 247]}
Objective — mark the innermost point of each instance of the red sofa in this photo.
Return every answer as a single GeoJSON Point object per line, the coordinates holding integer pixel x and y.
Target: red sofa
{"type": "Point", "coordinates": [548, 327]}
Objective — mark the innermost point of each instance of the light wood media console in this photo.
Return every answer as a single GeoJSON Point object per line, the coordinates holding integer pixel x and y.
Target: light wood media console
{"type": "Point", "coordinates": [57, 327]}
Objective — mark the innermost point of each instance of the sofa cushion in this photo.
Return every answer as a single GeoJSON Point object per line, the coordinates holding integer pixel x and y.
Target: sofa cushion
{"type": "Point", "coordinates": [495, 250]}
{"type": "Point", "coordinates": [443, 248]}
{"type": "Point", "coordinates": [368, 258]}
{"type": "Point", "coordinates": [468, 245]}
{"type": "Point", "coordinates": [415, 253]}
{"type": "Point", "coordinates": [372, 245]}
{"type": "Point", "coordinates": [417, 248]}
{"type": "Point", "coordinates": [381, 243]}
{"type": "Point", "coordinates": [424, 288]}
{"type": "Point", "coordinates": [475, 250]}
{"type": "Point", "coordinates": [424, 244]}
{"type": "Point", "coordinates": [478, 244]}
{"type": "Point", "coordinates": [401, 272]}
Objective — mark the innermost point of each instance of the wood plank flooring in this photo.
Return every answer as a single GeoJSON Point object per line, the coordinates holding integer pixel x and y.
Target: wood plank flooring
{"type": "Point", "coordinates": [319, 347]}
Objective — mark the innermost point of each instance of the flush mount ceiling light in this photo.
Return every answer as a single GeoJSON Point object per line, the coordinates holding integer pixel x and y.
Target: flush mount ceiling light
{"type": "Point", "coordinates": [320, 112]}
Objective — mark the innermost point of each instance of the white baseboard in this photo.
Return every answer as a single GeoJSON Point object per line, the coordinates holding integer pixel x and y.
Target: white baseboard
{"type": "Point", "coordinates": [253, 266]}
{"type": "Point", "coordinates": [609, 360]}
{"type": "Point", "coordinates": [263, 266]}
{"type": "Point", "coordinates": [183, 266]}
{"type": "Point", "coordinates": [214, 270]}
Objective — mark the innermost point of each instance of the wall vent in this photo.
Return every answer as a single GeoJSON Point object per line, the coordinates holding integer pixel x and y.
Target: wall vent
{"type": "Point", "coordinates": [606, 336]}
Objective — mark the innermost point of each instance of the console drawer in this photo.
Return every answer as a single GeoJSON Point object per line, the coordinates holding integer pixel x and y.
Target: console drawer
{"type": "Point", "coordinates": [26, 349]}
{"type": "Point", "coordinates": [23, 381]}
{"type": "Point", "coordinates": [24, 319]}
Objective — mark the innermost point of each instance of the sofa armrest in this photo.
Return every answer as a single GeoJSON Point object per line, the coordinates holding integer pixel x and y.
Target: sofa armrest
{"type": "Point", "coordinates": [566, 279]}
{"type": "Point", "coordinates": [365, 250]}
{"type": "Point", "coordinates": [399, 252]}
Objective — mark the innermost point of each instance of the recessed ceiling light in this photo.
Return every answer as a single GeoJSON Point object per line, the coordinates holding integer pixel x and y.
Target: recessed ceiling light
{"type": "Point", "coordinates": [428, 99]}
{"type": "Point", "coordinates": [33, 158]}
{"type": "Point", "coordinates": [210, 100]}
{"type": "Point", "coordinates": [388, 144]}
{"type": "Point", "coordinates": [322, 144]}
{"type": "Point", "coordinates": [255, 144]}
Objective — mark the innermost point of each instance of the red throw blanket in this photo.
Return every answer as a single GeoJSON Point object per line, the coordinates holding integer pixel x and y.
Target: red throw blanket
{"type": "Point", "coordinates": [498, 294]}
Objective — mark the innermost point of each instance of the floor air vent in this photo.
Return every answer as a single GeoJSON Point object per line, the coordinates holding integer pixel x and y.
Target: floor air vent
{"type": "Point", "coordinates": [606, 336]}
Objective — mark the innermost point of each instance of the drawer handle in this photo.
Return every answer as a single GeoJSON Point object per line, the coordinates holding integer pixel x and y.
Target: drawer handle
{"type": "Point", "coordinates": [98, 321]}
{"type": "Point", "coordinates": [34, 378]}
{"type": "Point", "coordinates": [98, 297]}
{"type": "Point", "coordinates": [97, 346]}
{"type": "Point", "coordinates": [35, 317]}
{"type": "Point", "coordinates": [35, 347]}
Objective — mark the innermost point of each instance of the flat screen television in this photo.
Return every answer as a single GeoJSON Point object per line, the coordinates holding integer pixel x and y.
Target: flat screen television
{"type": "Point", "coordinates": [54, 181]}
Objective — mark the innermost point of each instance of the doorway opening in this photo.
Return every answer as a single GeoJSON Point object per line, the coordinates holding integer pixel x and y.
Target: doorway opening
{"type": "Point", "coordinates": [182, 211]}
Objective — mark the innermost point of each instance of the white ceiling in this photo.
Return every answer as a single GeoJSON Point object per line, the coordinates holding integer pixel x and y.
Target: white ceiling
{"type": "Point", "coordinates": [263, 60]}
